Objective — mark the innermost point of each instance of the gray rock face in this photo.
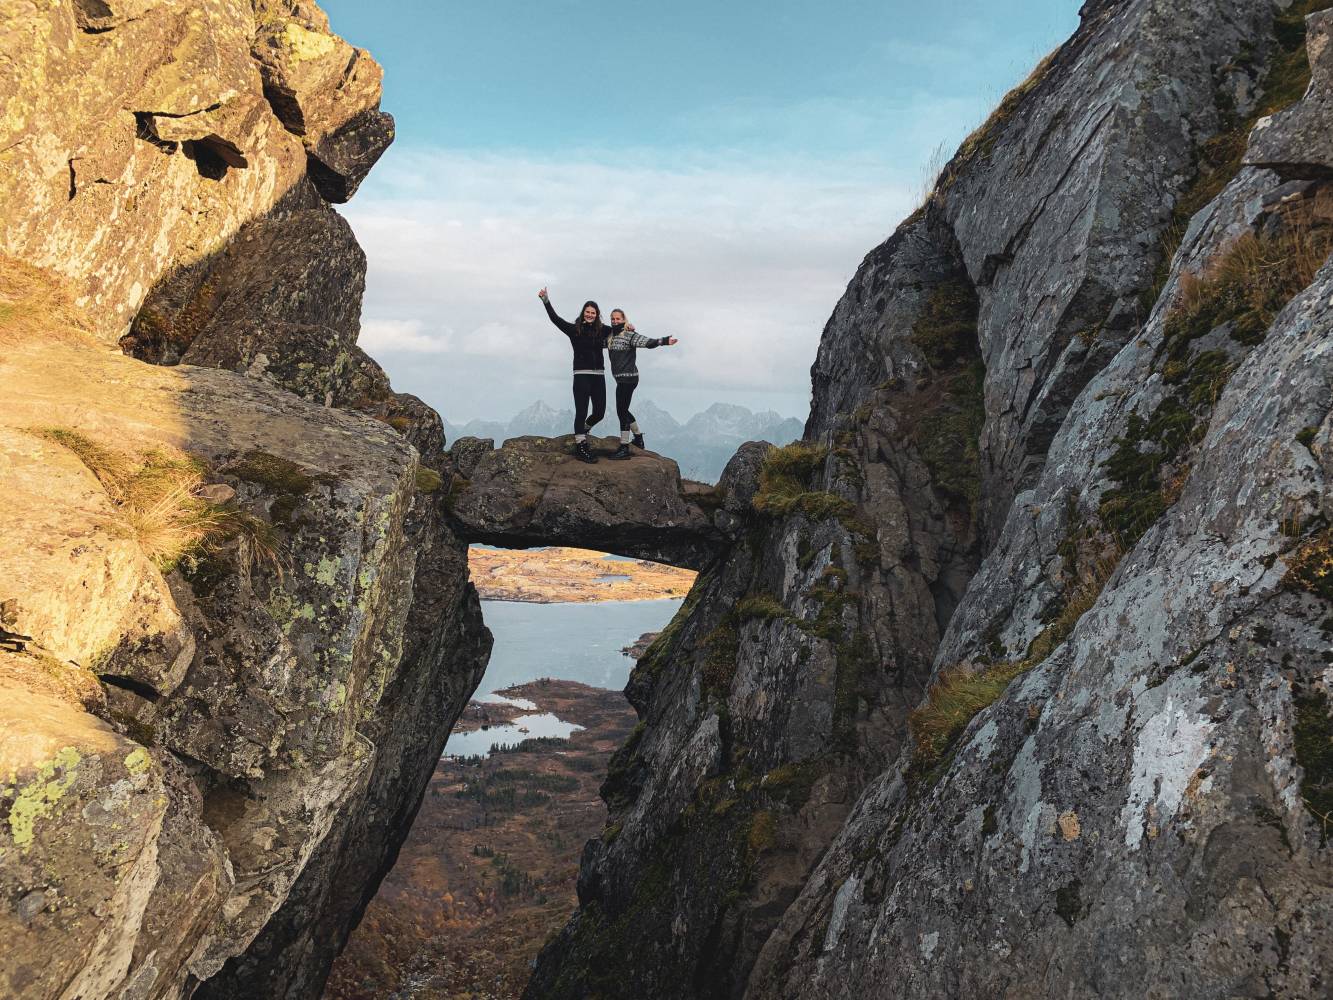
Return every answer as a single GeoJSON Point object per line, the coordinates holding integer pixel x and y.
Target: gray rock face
{"type": "Point", "coordinates": [1028, 475]}
{"type": "Point", "coordinates": [1057, 206]}
{"type": "Point", "coordinates": [1295, 142]}
{"type": "Point", "coordinates": [1159, 745]}
{"type": "Point", "coordinates": [533, 491]}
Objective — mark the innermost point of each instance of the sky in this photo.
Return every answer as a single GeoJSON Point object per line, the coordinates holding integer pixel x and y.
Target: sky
{"type": "Point", "coordinates": [716, 170]}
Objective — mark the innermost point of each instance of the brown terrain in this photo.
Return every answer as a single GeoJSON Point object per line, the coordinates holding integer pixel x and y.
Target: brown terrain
{"type": "Point", "coordinates": [547, 576]}
{"type": "Point", "coordinates": [487, 874]}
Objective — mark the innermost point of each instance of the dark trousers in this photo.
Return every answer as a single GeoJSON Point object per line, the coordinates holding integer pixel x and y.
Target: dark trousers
{"type": "Point", "coordinates": [624, 393]}
{"type": "Point", "coordinates": [588, 389]}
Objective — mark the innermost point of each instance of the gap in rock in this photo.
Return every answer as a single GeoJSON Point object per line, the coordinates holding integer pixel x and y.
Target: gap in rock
{"type": "Point", "coordinates": [488, 871]}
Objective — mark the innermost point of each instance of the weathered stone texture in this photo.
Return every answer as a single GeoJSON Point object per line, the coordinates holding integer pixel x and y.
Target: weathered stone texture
{"type": "Point", "coordinates": [533, 491]}
{"type": "Point", "coordinates": [1155, 747]}
{"type": "Point", "coordinates": [175, 147]}
{"type": "Point", "coordinates": [280, 694]}
{"type": "Point", "coordinates": [1126, 819]}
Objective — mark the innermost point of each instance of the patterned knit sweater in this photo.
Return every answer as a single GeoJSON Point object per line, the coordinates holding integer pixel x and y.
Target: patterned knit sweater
{"type": "Point", "coordinates": [621, 347]}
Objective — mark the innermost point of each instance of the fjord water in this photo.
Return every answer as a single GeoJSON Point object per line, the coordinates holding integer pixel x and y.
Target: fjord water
{"type": "Point", "coordinates": [576, 642]}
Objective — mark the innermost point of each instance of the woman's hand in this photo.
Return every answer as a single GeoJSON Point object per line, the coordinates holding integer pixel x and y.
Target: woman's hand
{"type": "Point", "coordinates": [542, 295]}
{"type": "Point", "coordinates": [671, 341]}
{"type": "Point", "coordinates": [629, 327]}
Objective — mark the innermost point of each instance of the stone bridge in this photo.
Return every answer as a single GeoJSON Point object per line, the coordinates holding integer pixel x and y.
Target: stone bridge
{"type": "Point", "coordinates": [532, 491]}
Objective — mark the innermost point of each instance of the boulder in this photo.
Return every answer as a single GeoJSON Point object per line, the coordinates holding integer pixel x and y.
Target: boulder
{"type": "Point", "coordinates": [82, 811]}
{"type": "Point", "coordinates": [533, 491]}
{"type": "Point", "coordinates": [1295, 142]}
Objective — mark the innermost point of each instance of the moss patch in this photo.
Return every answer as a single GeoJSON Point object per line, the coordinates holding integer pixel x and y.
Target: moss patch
{"type": "Point", "coordinates": [1246, 287]}
{"type": "Point", "coordinates": [1310, 568]}
{"type": "Point", "coordinates": [785, 476]}
{"type": "Point", "coordinates": [760, 607]}
{"type": "Point", "coordinates": [1314, 753]}
{"type": "Point", "coordinates": [1220, 158]}
{"type": "Point", "coordinates": [721, 649]}
{"type": "Point", "coordinates": [428, 480]}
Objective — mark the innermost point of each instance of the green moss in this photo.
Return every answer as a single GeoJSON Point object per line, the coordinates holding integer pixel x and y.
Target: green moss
{"type": "Point", "coordinates": [457, 486]}
{"type": "Point", "coordinates": [949, 440]}
{"type": "Point", "coordinates": [988, 822]}
{"type": "Point", "coordinates": [761, 607]}
{"type": "Point", "coordinates": [1306, 436]}
{"type": "Point", "coordinates": [763, 835]}
{"type": "Point", "coordinates": [785, 476]}
{"type": "Point", "coordinates": [282, 479]}
{"type": "Point", "coordinates": [721, 649]}
{"type": "Point", "coordinates": [428, 480]}
{"type": "Point", "coordinates": [946, 330]}
{"type": "Point", "coordinates": [1314, 753]}
{"type": "Point", "coordinates": [792, 783]}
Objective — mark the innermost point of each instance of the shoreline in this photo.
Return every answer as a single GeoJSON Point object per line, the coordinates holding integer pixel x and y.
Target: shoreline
{"type": "Point", "coordinates": [561, 575]}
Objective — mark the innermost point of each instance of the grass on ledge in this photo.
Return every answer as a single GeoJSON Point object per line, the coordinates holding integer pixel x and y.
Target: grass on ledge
{"type": "Point", "coordinates": [157, 499]}
{"type": "Point", "coordinates": [36, 306]}
{"type": "Point", "coordinates": [762, 607]}
{"type": "Point", "coordinates": [784, 484]}
{"type": "Point", "coordinates": [960, 693]}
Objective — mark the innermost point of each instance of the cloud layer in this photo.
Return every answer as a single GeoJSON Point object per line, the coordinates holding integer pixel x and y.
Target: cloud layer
{"type": "Point", "coordinates": [742, 259]}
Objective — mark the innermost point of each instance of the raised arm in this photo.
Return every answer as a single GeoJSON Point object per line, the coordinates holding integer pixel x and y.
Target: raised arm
{"type": "Point", "coordinates": [563, 326]}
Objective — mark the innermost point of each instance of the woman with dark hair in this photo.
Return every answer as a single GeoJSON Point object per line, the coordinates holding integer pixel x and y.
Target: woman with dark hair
{"type": "Point", "coordinates": [622, 343]}
{"type": "Point", "coordinates": [588, 337]}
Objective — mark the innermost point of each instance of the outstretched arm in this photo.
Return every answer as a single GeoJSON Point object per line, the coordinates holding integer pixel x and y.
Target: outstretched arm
{"type": "Point", "coordinates": [563, 326]}
{"type": "Point", "coordinates": [634, 339]}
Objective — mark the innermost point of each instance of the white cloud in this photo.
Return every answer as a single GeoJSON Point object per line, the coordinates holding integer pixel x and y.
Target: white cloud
{"type": "Point", "coordinates": [400, 335]}
{"type": "Point", "coordinates": [743, 259]}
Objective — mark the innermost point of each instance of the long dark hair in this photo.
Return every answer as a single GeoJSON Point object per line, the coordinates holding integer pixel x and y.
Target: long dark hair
{"type": "Point", "coordinates": [593, 329]}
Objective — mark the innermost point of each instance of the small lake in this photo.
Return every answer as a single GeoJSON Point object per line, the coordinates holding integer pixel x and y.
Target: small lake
{"type": "Point", "coordinates": [576, 642]}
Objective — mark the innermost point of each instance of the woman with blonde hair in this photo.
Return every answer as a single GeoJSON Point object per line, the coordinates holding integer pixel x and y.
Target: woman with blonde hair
{"type": "Point", "coordinates": [621, 343]}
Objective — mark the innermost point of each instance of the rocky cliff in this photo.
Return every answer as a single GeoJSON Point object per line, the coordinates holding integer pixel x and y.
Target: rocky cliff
{"type": "Point", "coordinates": [237, 622]}
{"type": "Point", "coordinates": [1016, 683]}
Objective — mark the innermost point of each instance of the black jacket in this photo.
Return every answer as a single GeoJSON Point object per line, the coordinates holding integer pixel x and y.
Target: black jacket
{"type": "Point", "coordinates": [588, 347]}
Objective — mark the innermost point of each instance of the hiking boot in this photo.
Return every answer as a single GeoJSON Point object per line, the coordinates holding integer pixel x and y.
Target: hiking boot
{"type": "Point", "coordinates": [621, 454]}
{"type": "Point", "coordinates": [638, 441]}
{"type": "Point", "coordinates": [584, 454]}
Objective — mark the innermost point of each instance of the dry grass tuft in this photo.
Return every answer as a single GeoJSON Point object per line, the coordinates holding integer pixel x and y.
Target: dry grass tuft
{"type": "Point", "coordinates": [785, 476]}
{"type": "Point", "coordinates": [35, 305]}
{"type": "Point", "coordinates": [157, 498]}
{"type": "Point", "coordinates": [961, 691]}
{"type": "Point", "coordinates": [1252, 280]}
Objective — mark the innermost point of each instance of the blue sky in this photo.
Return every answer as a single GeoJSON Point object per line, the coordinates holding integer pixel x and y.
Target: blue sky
{"type": "Point", "coordinates": [717, 170]}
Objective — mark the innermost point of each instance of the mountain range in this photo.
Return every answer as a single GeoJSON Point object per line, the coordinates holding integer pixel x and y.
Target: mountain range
{"type": "Point", "coordinates": [701, 446]}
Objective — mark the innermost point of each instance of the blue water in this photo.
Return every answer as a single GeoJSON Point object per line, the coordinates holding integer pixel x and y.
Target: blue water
{"type": "Point", "coordinates": [576, 642]}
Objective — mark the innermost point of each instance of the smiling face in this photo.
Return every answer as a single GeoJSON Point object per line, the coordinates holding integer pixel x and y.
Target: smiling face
{"type": "Point", "coordinates": [590, 314]}
{"type": "Point", "coordinates": [617, 317]}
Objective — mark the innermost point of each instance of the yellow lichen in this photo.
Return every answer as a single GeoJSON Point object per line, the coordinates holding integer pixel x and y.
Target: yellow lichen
{"type": "Point", "coordinates": [303, 44]}
{"type": "Point", "coordinates": [37, 799]}
{"type": "Point", "coordinates": [138, 761]}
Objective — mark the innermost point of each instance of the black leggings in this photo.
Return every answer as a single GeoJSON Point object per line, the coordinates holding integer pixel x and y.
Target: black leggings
{"type": "Point", "coordinates": [624, 393]}
{"type": "Point", "coordinates": [588, 388]}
